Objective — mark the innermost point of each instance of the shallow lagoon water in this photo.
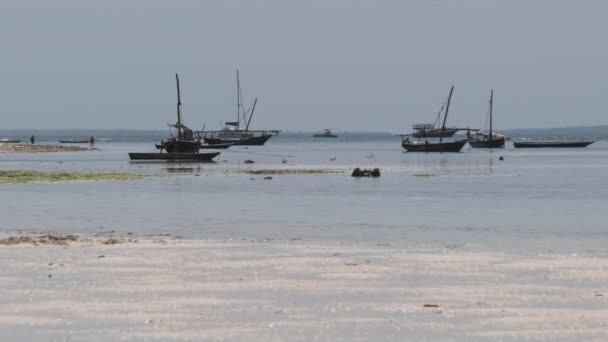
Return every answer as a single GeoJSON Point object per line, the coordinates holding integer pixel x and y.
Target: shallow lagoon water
{"type": "Point", "coordinates": [533, 201]}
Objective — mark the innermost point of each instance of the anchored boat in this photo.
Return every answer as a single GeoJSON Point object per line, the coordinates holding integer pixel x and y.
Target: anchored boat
{"type": "Point", "coordinates": [434, 146]}
{"type": "Point", "coordinates": [489, 139]}
{"type": "Point", "coordinates": [183, 147]}
{"type": "Point", "coordinates": [232, 132]}
{"type": "Point", "coordinates": [552, 143]}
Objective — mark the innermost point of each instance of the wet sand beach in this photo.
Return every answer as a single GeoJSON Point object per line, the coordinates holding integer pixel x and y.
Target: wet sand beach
{"type": "Point", "coordinates": [64, 288]}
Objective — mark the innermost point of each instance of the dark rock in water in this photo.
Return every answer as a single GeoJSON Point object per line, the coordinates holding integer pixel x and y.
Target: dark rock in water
{"type": "Point", "coordinates": [366, 173]}
{"type": "Point", "coordinates": [268, 177]}
{"type": "Point", "coordinates": [501, 158]}
{"type": "Point", "coordinates": [248, 161]}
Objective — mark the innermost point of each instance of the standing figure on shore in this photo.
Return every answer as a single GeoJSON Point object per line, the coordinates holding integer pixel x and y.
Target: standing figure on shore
{"type": "Point", "coordinates": [32, 139]}
{"type": "Point", "coordinates": [92, 142]}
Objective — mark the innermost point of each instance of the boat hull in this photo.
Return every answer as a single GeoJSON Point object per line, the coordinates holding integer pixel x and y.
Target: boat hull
{"type": "Point", "coordinates": [495, 143]}
{"type": "Point", "coordinates": [195, 157]}
{"type": "Point", "coordinates": [204, 147]}
{"type": "Point", "coordinates": [251, 141]}
{"type": "Point", "coordinates": [448, 146]}
{"type": "Point", "coordinates": [552, 144]}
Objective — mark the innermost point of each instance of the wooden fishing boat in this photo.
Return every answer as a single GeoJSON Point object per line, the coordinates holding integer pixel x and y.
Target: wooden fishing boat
{"type": "Point", "coordinates": [220, 146]}
{"type": "Point", "coordinates": [426, 146]}
{"type": "Point", "coordinates": [184, 142]}
{"type": "Point", "coordinates": [183, 147]}
{"type": "Point", "coordinates": [194, 157]}
{"type": "Point", "coordinates": [259, 140]}
{"type": "Point", "coordinates": [552, 143]}
{"type": "Point", "coordinates": [434, 146]}
{"type": "Point", "coordinates": [490, 139]}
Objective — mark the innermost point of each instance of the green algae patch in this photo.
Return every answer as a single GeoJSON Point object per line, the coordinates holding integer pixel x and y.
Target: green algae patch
{"type": "Point", "coordinates": [292, 172]}
{"type": "Point", "coordinates": [25, 176]}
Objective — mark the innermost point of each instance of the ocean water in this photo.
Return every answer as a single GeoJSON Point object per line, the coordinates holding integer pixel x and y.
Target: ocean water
{"type": "Point", "coordinates": [535, 201]}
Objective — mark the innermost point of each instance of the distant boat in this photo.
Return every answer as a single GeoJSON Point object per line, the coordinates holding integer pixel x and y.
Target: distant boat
{"type": "Point", "coordinates": [326, 133]}
{"type": "Point", "coordinates": [434, 146]}
{"type": "Point", "coordinates": [9, 141]}
{"type": "Point", "coordinates": [490, 139]}
{"type": "Point", "coordinates": [232, 132]}
{"type": "Point", "coordinates": [552, 143]}
{"type": "Point", "coordinates": [71, 141]}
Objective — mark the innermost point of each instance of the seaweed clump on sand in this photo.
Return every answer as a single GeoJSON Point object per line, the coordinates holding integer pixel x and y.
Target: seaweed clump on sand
{"type": "Point", "coordinates": [27, 176]}
{"type": "Point", "coordinates": [291, 172]}
{"type": "Point", "coordinates": [45, 239]}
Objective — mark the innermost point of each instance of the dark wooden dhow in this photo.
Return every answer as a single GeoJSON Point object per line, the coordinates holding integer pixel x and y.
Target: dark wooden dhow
{"type": "Point", "coordinates": [552, 143]}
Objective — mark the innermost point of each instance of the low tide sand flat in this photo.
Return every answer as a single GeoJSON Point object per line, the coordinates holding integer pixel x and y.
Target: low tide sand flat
{"type": "Point", "coordinates": [159, 289]}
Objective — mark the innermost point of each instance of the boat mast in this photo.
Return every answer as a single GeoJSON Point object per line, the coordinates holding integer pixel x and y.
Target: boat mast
{"type": "Point", "coordinates": [445, 118]}
{"type": "Point", "coordinates": [238, 100]}
{"type": "Point", "coordinates": [491, 105]}
{"type": "Point", "coordinates": [179, 109]}
{"type": "Point", "coordinates": [251, 114]}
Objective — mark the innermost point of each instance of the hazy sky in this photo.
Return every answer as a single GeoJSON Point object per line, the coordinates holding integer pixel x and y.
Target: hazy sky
{"type": "Point", "coordinates": [349, 65]}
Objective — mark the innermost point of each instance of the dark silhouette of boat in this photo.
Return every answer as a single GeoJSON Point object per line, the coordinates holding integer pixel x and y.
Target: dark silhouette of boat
{"type": "Point", "coordinates": [434, 146]}
{"type": "Point", "coordinates": [184, 142]}
{"type": "Point", "coordinates": [552, 143]}
{"type": "Point", "coordinates": [326, 133]}
{"type": "Point", "coordinates": [426, 146]}
{"type": "Point", "coordinates": [194, 157]}
{"type": "Point", "coordinates": [205, 146]}
{"type": "Point", "coordinates": [258, 140]}
{"type": "Point", "coordinates": [232, 132]}
{"type": "Point", "coordinates": [183, 147]}
{"type": "Point", "coordinates": [490, 139]}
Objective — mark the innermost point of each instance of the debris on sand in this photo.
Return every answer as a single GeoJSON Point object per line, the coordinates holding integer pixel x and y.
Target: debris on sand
{"type": "Point", "coordinates": [46, 239]}
{"type": "Point", "coordinates": [375, 173]}
{"type": "Point", "coordinates": [111, 241]}
{"type": "Point", "coordinates": [39, 148]}
{"type": "Point", "coordinates": [430, 305]}
{"type": "Point", "coordinates": [291, 172]}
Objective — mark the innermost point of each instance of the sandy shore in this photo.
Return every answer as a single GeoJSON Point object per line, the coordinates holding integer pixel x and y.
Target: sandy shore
{"type": "Point", "coordinates": [4, 147]}
{"type": "Point", "coordinates": [161, 289]}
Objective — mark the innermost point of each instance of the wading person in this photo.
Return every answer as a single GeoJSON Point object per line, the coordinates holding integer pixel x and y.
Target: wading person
{"type": "Point", "coordinates": [92, 142]}
{"type": "Point", "coordinates": [32, 139]}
